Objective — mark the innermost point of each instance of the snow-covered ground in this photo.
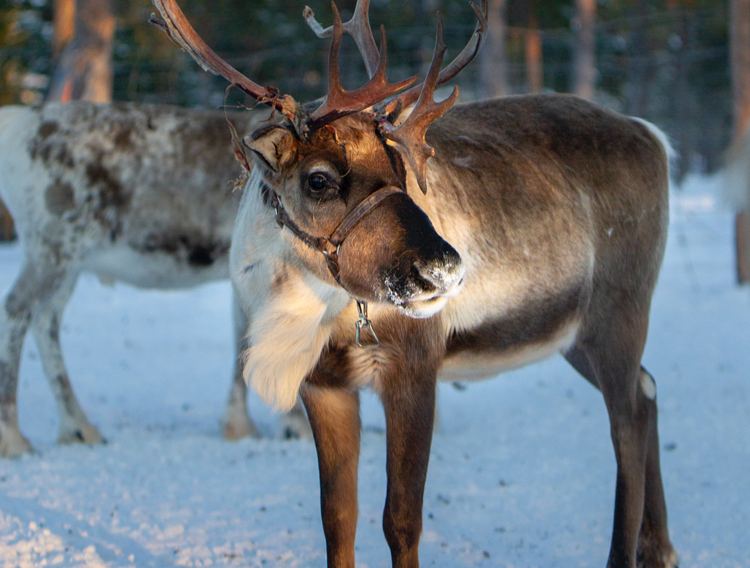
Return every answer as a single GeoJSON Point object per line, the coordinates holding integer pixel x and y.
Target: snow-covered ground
{"type": "Point", "coordinates": [522, 471]}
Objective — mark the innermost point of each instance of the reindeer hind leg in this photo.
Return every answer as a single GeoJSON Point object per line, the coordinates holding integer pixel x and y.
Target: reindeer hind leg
{"type": "Point", "coordinates": [612, 359]}
{"type": "Point", "coordinates": [654, 546]}
{"type": "Point", "coordinates": [580, 362]}
{"type": "Point", "coordinates": [74, 426]}
{"type": "Point", "coordinates": [15, 316]}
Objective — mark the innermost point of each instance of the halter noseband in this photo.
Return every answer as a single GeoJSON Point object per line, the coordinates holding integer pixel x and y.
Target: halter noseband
{"type": "Point", "coordinates": [330, 246]}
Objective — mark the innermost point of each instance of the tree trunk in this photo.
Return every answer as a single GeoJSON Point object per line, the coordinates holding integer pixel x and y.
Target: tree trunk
{"type": "Point", "coordinates": [683, 132]}
{"type": "Point", "coordinates": [84, 71]}
{"type": "Point", "coordinates": [584, 49]}
{"type": "Point", "coordinates": [739, 47]}
{"type": "Point", "coordinates": [493, 59]}
{"type": "Point", "coordinates": [65, 20]}
{"type": "Point", "coordinates": [739, 29]}
{"type": "Point", "coordinates": [639, 67]}
{"type": "Point", "coordinates": [533, 51]}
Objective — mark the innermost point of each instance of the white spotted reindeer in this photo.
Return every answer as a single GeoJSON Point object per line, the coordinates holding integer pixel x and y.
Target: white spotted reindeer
{"type": "Point", "coordinates": [130, 192]}
{"type": "Point", "coordinates": [479, 237]}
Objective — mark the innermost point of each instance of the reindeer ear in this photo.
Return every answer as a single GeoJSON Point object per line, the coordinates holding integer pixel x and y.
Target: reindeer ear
{"type": "Point", "coordinates": [274, 146]}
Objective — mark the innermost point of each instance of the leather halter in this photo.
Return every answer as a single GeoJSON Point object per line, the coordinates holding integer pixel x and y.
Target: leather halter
{"type": "Point", "coordinates": [331, 245]}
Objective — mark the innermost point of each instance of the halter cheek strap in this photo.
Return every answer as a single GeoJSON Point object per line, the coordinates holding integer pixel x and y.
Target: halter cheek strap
{"type": "Point", "coordinates": [331, 245]}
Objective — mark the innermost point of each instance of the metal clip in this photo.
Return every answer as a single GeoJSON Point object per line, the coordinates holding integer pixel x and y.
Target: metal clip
{"type": "Point", "coordinates": [364, 323]}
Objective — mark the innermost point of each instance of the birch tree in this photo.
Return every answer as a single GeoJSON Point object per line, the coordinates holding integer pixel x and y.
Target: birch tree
{"type": "Point", "coordinates": [533, 51]}
{"type": "Point", "coordinates": [84, 69]}
{"type": "Point", "coordinates": [493, 58]}
{"type": "Point", "coordinates": [584, 49]}
{"type": "Point", "coordinates": [64, 22]}
{"type": "Point", "coordinates": [639, 63]}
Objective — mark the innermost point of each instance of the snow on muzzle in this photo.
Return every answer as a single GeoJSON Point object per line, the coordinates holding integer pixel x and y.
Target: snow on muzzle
{"type": "Point", "coordinates": [395, 255]}
{"type": "Point", "coordinates": [429, 285]}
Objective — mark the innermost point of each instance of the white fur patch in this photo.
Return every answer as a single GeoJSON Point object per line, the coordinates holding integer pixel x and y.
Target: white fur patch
{"type": "Point", "coordinates": [287, 336]}
{"type": "Point", "coordinates": [660, 135]}
{"type": "Point", "coordinates": [648, 386]}
{"type": "Point", "coordinates": [290, 321]}
{"type": "Point", "coordinates": [120, 263]}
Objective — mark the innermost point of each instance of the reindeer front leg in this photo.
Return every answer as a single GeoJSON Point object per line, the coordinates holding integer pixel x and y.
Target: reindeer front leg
{"type": "Point", "coordinates": [335, 423]}
{"type": "Point", "coordinates": [409, 403]}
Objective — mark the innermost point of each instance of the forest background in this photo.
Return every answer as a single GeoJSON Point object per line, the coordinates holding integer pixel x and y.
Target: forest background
{"type": "Point", "coordinates": [666, 61]}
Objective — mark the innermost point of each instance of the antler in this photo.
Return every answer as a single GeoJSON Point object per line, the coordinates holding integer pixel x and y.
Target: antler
{"type": "Point", "coordinates": [179, 30]}
{"type": "Point", "coordinates": [410, 135]}
{"type": "Point", "coordinates": [340, 102]}
{"type": "Point", "coordinates": [468, 53]}
{"type": "Point", "coordinates": [358, 27]}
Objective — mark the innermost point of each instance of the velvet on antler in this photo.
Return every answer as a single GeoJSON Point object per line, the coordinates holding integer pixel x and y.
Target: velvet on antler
{"type": "Point", "coordinates": [409, 137]}
{"type": "Point", "coordinates": [468, 53]}
{"type": "Point", "coordinates": [340, 102]}
{"type": "Point", "coordinates": [358, 27]}
{"type": "Point", "coordinates": [179, 30]}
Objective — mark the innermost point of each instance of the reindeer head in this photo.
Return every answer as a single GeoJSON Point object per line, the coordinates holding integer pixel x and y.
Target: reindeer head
{"type": "Point", "coordinates": [336, 176]}
{"type": "Point", "coordinates": [387, 249]}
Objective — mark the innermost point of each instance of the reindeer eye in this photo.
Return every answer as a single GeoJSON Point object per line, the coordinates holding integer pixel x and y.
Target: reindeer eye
{"type": "Point", "coordinates": [318, 182]}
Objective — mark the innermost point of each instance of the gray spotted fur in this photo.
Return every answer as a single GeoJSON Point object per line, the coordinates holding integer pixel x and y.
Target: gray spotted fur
{"type": "Point", "coordinates": [130, 192]}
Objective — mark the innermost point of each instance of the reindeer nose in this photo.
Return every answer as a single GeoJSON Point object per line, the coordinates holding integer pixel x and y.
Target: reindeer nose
{"type": "Point", "coordinates": [445, 273]}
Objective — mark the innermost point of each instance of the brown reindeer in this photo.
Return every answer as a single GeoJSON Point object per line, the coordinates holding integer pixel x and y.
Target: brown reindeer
{"type": "Point", "coordinates": [539, 228]}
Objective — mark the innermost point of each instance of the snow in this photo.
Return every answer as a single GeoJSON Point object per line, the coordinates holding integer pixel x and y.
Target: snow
{"type": "Point", "coordinates": [522, 471]}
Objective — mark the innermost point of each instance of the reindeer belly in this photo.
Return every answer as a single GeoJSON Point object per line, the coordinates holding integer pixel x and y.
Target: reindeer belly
{"type": "Point", "coordinates": [158, 268]}
{"type": "Point", "coordinates": [533, 329]}
{"type": "Point", "coordinates": [478, 355]}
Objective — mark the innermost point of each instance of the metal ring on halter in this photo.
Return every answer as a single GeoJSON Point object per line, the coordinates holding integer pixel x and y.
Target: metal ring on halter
{"type": "Point", "coordinates": [336, 239]}
{"type": "Point", "coordinates": [363, 323]}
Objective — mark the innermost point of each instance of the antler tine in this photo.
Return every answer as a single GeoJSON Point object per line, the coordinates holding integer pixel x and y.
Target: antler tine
{"type": "Point", "coordinates": [410, 135]}
{"type": "Point", "coordinates": [358, 27]}
{"type": "Point", "coordinates": [468, 53]}
{"type": "Point", "coordinates": [340, 102]}
{"type": "Point", "coordinates": [179, 30]}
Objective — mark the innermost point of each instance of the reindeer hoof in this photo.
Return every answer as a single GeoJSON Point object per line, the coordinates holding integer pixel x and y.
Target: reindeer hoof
{"type": "Point", "coordinates": [81, 434]}
{"type": "Point", "coordinates": [237, 426]}
{"type": "Point", "coordinates": [668, 559]}
{"type": "Point", "coordinates": [13, 444]}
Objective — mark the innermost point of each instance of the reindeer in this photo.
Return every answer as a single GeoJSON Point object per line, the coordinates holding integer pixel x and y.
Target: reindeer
{"type": "Point", "coordinates": [131, 192]}
{"type": "Point", "coordinates": [483, 236]}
